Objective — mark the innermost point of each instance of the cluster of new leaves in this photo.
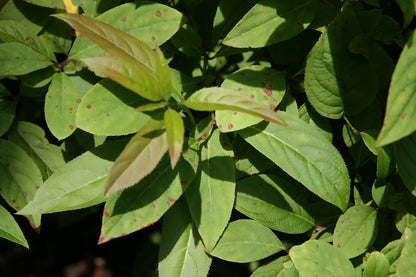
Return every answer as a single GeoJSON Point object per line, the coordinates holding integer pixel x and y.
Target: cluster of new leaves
{"type": "Point", "coordinates": [243, 125]}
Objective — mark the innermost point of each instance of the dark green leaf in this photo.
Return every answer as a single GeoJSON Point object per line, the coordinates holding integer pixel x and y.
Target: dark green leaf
{"type": "Point", "coordinates": [175, 131]}
{"type": "Point", "coordinates": [405, 153]}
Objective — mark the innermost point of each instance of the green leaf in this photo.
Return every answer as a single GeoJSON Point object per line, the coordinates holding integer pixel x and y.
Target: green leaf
{"type": "Point", "coordinates": [211, 195]}
{"type": "Point", "coordinates": [319, 258]}
{"type": "Point", "coordinates": [7, 113]}
{"type": "Point", "coordinates": [405, 153]}
{"type": "Point", "coordinates": [188, 42]}
{"type": "Point", "coordinates": [275, 202]}
{"type": "Point", "coordinates": [31, 138]}
{"type": "Point", "coordinates": [355, 230]}
{"type": "Point", "coordinates": [377, 265]}
{"type": "Point", "coordinates": [59, 35]}
{"type": "Point", "coordinates": [108, 109]}
{"type": "Point", "coordinates": [9, 229]}
{"type": "Point", "coordinates": [61, 103]}
{"type": "Point", "coordinates": [393, 250]}
{"type": "Point", "coordinates": [181, 250]}
{"type": "Point", "coordinates": [271, 21]}
{"type": "Point", "coordinates": [19, 59]}
{"type": "Point", "coordinates": [214, 98]}
{"type": "Point", "coordinates": [20, 179]}
{"type": "Point", "coordinates": [143, 204]}
{"type": "Point", "coordinates": [175, 131]}
{"type": "Point", "coordinates": [55, 4]}
{"type": "Point", "coordinates": [140, 156]}
{"type": "Point", "coordinates": [263, 84]}
{"type": "Point", "coordinates": [152, 23]}
{"type": "Point", "coordinates": [131, 63]}
{"type": "Point", "coordinates": [14, 31]}
{"type": "Point", "coordinates": [245, 241]}
{"type": "Point", "coordinates": [400, 118]}
{"type": "Point", "coordinates": [38, 78]}
{"type": "Point", "coordinates": [282, 267]}
{"type": "Point", "coordinates": [304, 154]}
{"type": "Point", "coordinates": [78, 184]}
{"type": "Point", "coordinates": [408, 8]}
{"type": "Point", "coordinates": [407, 261]}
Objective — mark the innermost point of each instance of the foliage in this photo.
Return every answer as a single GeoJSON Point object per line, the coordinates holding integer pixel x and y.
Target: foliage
{"type": "Point", "coordinates": [282, 132]}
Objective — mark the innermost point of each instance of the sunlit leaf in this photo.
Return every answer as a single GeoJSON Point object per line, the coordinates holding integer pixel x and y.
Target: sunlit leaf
{"type": "Point", "coordinates": [9, 229]}
{"type": "Point", "coordinates": [175, 131]}
{"type": "Point", "coordinates": [377, 265]}
{"type": "Point", "coordinates": [281, 267]}
{"type": "Point", "coordinates": [407, 260]}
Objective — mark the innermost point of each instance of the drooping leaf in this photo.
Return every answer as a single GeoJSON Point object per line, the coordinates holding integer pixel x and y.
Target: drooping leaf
{"type": "Point", "coordinates": [407, 260]}
{"type": "Point", "coordinates": [78, 184]}
{"type": "Point", "coordinates": [131, 63]}
{"type": "Point", "coordinates": [304, 154]}
{"type": "Point", "coordinates": [20, 177]}
{"type": "Point", "coordinates": [211, 195]}
{"type": "Point", "coordinates": [7, 113]}
{"type": "Point", "coordinates": [319, 258]}
{"type": "Point", "coordinates": [61, 103]}
{"type": "Point", "coordinates": [355, 230]}
{"type": "Point", "coordinates": [175, 131]}
{"type": "Point", "coordinates": [245, 241]}
{"type": "Point", "coordinates": [145, 203]}
{"type": "Point", "coordinates": [108, 109]}
{"type": "Point", "coordinates": [405, 153]}
{"type": "Point", "coordinates": [400, 118]}
{"type": "Point", "coordinates": [181, 252]}
{"type": "Point", "coordinates": [9, 229]}
{"type": "Point", "coordinates": [140, 156]}
{"type": "Point", "coordinates": [271, 21]}
{"type": "Point", "coordinates": [31, 138]}
{"type": "Point", "coordinates": [377, 265]}
{"type": "Point", "coordinates": [151, 22]}
{"type": "Point", "coordinates": [275, 202]}
{"type": "Point", "coordinates": [281, 267]}
{"type": "Point", "coordinates": [19, 59]}
{"type": "Point", "coordinates": [263, 84]}
{"type": "Point", "coordinates": [214, 98]}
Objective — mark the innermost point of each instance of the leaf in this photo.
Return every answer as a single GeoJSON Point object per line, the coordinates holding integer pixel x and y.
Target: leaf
{"type": "Point", "coordinates": [108, 109]}
{"type": "Point", "coordinates": [407, 261]}
{"type": "Point", "coordinates": [400, 118]}
{"type": "Point", "coordinates": [274, 202]}
{"type": "Point", "coordinates": [142, 205]}
{"type": "Point", "coordinates": [269, 22]}
{"type": "Point", "coordinates": [7, 113]}
{"type": "Point", "coordinates": [319, 258]}
{"type": "Point", "coordinates": [263, 84]}
{"type": "Point", "coordinates": [408, 8]}
{"type": "Point", "coordinates": [61, 103]}
{"type": "Point", "coordinates": [31, 138]}
{"type": "Point", "coordinates": [20, 179]}
{"type": "Point", "coordinates": [175, 131]}
{"type": "Point", "coordinates": [377, 265]}
{"type": "Point", "coordinates": [181, 250]}
{"type": "Point", "coordinates": [211, 196]}
{"type": "Point", "coordinates": [188, 42]}
{"type": "Point", "coordinates": [405, 153]}
{"type": "Point", "coordinates": [9, 229]}
{"type": "Point", "coordinates": [19, 59]}
{"type": "Point", "coordinates": [282, 267]}
{"type": "Point", "coordinates": [131, 63]}
{"type": "Point", "coordinates": [140, 156]}
{"type": "Point", "coordinates": [355, 230]}
{"type": "Point", "coordinates": [151, 22]}
{"type": "Point", "coordinates": [78, 184]}
{"type": "Point", "coordinates": [55, 4]}
{"type": "Point", "coordinates": [304, 154]}
{"type": "Point", "coordinates": [246, 241]}
{"type": "Point", "coordinates": [393, 250]}
{"type": "Point", "coordinates": [214, 98]}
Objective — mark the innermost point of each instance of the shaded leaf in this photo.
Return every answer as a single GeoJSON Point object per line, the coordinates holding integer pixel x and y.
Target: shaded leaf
{"type": "Point", "coordinates": [140, 156]}
{"type": "Point", "coordinates": [211, 195]}
{"type": "Point", "coordinates": [263, 84]}
{"type": "Point", "coordinates": [271, 21]}
{"type": "Point", "coordinates": [61, 103]}
{"type": "Point", "coordinates": [55, 4]}
{"type": "Point", "coordinates": [108, 109]}
{"type": "Point", "coordinates": [9, 229]}
{"type": "Point", "coordinates": [400, 118]}
{"type": "Point", "coordinates": [304, 154]}
{"type": "Point", "coordinates": [275, 202]}
{"type": "Point", "coordinates": [405, 153]}
{"type": "Point", "coordinates": [355, 230]}
{"type": "Point", "coordinates": [187, 41]}
{"type": "Point", "coordinates": [181, 250]}
{"type": "Point", "coordinates": [282, 267]}
{"type": "Point", "coordinates": [142, 205]}
{"type": "Point", "coordinates": [7, 113]}
{"type": "Point", "coordinates": [175, 131]}
{"type": "Point", "coordinates": [316, 257]}
{"type": "Point", "coordinates": [408, 8]}
{"type": "Point", "coordinates": [246, 241]}
{"type": "Point", "coordinates": [214, 98]}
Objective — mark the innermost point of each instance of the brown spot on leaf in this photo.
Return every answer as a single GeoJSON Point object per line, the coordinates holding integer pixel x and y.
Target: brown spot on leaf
{"type": "Point", "coordinates": [78, 100]}
{"type": "Point", "coordinates": [158, 14]}
{"type": "Point", "coordinates": [153, 38]}
{"type": "Point", "coordinates": [71, 127]}
{"type": "Point", "coordinates": [124, 19]}
{"type": "Point", "coordinates": [267, 91]}
{"type": "Point", "coordinates": [88, 106]}
{"type": "Point", "coordinates": [230, 126]}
